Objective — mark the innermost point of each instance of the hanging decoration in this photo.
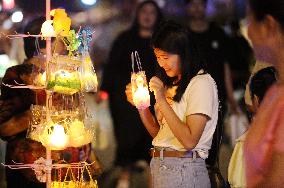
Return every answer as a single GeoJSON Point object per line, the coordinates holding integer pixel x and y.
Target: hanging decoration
{"type": "Point", "coordinates": [61, 22]}
{"type": "Point", "coordinates": [68, 123]}
{"type": "Point", "coordinates": [72, 42]}
{"type": "Point", "coordinates": [64, 121]}
{"type": "Point", "coordinates": [85, 38]}
{"type": "Point", "coordinates": [47, 29]}
{"type": "Point", "coordinates": [64, 76]}
{"type": "Point", "coordinates": [88, 74]}
{"type": "Point", "coordinates": [80, 134]}
{"type": "Point", "coordinates": [54, 137]}
{"type": "Point", "coordinates": [70, 181]}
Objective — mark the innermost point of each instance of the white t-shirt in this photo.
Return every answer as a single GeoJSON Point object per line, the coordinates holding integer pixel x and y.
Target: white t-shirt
{"type": "Point", "coordinates": [200, 97]}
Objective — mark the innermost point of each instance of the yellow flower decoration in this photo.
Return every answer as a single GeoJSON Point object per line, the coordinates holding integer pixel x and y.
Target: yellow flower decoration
{"type": "Point", "coordinates": [61, 22]}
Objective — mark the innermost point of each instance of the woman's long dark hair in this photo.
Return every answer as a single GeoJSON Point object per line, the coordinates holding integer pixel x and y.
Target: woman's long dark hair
{"type": "Point", "coordinates": [173, 38]}
{"type": "Point", "coordinates": [135, 25]}
{"type": "Point", "coordinates": [33, 28]}
{"type": "Point", "coordinates": [262, 8]}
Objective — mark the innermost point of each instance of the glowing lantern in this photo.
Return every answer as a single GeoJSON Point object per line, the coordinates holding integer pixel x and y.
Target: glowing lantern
{"type": "Point", "coordinates": [47, 29]}
{"type": "Point", "coordinates": [40, 79]}
{"type": "Point", "coordinates": [58, 138]}
{"type": "Point", "coordinates": [140, 92]}
{"type": "Point", "coordinates": [79, 136]}
{"type": "Point", "coordinates": [54, 136]}
{"type": "Point", "coordinates": [64, 75]}
{"type": "Point", "coordinates": [88, 75]}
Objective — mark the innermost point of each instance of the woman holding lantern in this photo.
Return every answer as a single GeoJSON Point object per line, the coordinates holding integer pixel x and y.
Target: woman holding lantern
{"type": "Point", "coordinates": [186, 111]}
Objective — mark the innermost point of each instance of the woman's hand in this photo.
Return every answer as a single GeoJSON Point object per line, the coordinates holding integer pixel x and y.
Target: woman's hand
{"type": "Point", "coordinates": [157, 86]}
{"type": "Point", "coordinates": [128, 92]}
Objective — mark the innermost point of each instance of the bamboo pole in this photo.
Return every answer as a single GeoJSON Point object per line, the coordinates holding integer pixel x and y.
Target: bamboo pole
{"type": "Point", "coordinates": [48, 95]}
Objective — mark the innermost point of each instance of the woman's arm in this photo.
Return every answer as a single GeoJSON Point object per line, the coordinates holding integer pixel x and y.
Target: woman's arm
{"type": "Point", "coordinates": [188, 133]}
{"type": "Point", "coordinates": [149, 122]}
{"type": "Point", "coordinates": [146, 116]}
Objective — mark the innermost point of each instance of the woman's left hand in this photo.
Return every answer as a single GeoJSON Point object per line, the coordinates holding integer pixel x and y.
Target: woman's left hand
{"type": "Point", "coordinates": [157, 86]}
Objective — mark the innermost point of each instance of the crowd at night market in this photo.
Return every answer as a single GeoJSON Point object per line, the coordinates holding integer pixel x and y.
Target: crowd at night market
{"type": "Point", "coordinates": [141, 93]}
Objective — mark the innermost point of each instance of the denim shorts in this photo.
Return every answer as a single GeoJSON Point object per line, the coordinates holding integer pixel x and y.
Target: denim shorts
{"type": "Point", "coordinates": [173, 172]}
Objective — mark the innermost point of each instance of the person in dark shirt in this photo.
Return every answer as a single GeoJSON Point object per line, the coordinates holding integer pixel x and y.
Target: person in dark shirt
{"type": "Point", "coordinates": [243, 57]}
{"type": "Point", "coordinates": [133, 141]}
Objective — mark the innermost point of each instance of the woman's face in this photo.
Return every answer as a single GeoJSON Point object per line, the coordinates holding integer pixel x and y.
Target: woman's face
{"type": "Point", "coordinates": [197, 9]}
{"type": "Point", "coordinates": [169, 62]}
{"type": "Point", "coordinates": [147, 16]}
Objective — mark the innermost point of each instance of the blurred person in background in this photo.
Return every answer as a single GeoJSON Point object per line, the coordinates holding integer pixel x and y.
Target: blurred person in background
{"type": "Point", "coordinates": [213, 45]}
{"type": "Point", "coordinates": [259, 85]}
{"type": "Point", "coordinates": [263, 149]}
{"type": "Point", "coordinates": [243, 57]}
{"type": "Point", "coordinates": [133, 141]}
{"type": "Point", "coordinates": [15, 114]}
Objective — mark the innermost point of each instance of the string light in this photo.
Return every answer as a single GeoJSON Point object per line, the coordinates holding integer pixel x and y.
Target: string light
{"type": "Point", "coordinates": [17, 17]}
{"type": "Point", "coordinates": [89, 2]}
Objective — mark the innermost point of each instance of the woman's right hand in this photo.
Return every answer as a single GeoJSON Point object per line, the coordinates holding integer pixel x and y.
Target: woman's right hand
{"type": "Point", "coordinates": [128, 92]}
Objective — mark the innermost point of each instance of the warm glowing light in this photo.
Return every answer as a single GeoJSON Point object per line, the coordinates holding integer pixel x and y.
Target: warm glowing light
{"type": "Point", "coordinates": [40, 79]}
{"type": "Point", "coordinates": [17, 16]}
{"type": "Point", "coordinates": [90, 82]}
{"type": "Point", "coordinates": [47, 29]}
{"type": "Point", "coordinates": [141, 98]}
{"type": "Point", "coordinates": [140, 92]}
{"type": "Point", "coordinates": [89, 2]}
{"type": "Point", "coordinates": [89, 76]}
{"type": "Point", "coordinates": [78, 135]}
{"type": "Point", "coordinates": [64, 82]}
{"type": "Point", "coordinates": [58, 139]}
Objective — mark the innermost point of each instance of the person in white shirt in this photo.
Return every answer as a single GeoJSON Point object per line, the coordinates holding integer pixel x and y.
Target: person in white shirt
{"type": "Point", "coordinates": [186, 111]}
